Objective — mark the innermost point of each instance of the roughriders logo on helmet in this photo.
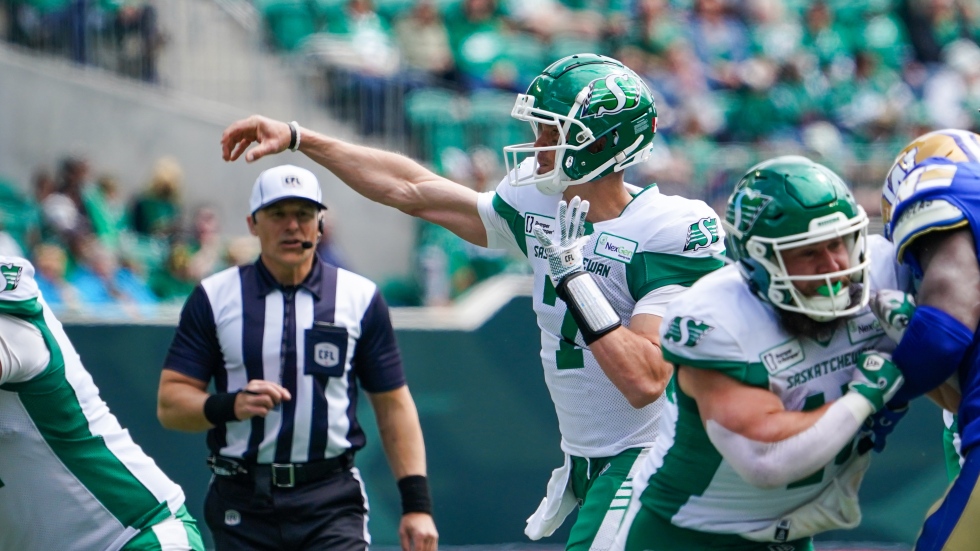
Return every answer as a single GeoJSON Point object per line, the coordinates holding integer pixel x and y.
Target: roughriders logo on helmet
{"type": "Point", "coordinates": [609, 95]}
{"type": "Point", "coordinates": [745, 209]}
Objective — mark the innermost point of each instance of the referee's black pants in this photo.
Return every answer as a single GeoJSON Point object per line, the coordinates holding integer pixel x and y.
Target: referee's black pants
{"type": "Point", "coordinates": [330, 513]}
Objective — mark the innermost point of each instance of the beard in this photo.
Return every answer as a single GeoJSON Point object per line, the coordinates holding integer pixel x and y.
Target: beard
{"type": "Point", "coordinates": [801, 325]}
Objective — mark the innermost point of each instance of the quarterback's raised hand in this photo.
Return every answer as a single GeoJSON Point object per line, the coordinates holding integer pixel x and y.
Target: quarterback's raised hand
{"type": "Point", "coordinates": [565, 256]}
{"type": "Point", "coordinates": [877, 378]}
{"type": "Point", "coordinates": [590, 308]}
{"type": "Point", "coordinates": [272, 137]}
{"type": "Point", "coordinates": [894, 310]}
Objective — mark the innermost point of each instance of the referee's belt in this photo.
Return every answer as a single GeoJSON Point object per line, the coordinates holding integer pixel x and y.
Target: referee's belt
{"type": "Point", "coordinates": [282, 475]}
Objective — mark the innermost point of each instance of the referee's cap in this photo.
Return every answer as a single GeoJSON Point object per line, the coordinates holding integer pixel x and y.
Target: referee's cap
{"type": "Point", "coordinates": [285, 182]}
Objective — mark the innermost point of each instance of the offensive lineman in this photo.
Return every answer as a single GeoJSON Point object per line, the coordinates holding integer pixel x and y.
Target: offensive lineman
{"type": "Point", "coordinates": [779, 366]}
{"type": "Point", "coordinates": [592, 117]}
{"type": "Point", "coordinates": [70, 476]}
{"type": "Point", "coordinates": [930, 206]}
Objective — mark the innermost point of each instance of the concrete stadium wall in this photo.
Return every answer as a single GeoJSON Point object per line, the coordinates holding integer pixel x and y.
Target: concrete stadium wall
{"type": "Point", "coordinates": [490, 432]}
{"type": "Point", "coordinates": [49, 108]}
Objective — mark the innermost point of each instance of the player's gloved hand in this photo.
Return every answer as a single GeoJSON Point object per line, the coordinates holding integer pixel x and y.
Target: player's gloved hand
{"type": "Point", "coordinates": [565, 256]}
{"type": "Point", "coordinates": [894, 311]}
{"type": "Point", "coordinates": [590, 308]}
{"type": "Point", "coordinates": [878, 426]}
{"type": "Point", "coordinates": [877, 378]}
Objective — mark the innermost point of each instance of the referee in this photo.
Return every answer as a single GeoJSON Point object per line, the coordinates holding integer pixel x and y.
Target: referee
{"type": "Point", "coordinates": [286, 341]}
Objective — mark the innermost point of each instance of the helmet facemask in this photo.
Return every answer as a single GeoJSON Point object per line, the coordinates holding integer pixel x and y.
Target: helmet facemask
{"type": "Point", "coordinates": [834, 300]}
{"type": "Point", "coordinates": [549, 183]}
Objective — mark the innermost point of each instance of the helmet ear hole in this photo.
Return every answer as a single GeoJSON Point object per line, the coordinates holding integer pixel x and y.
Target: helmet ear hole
{"type": "Point", "coordinates": [776, 296]}
{"type": "Point", "coordinates": [756, 249]}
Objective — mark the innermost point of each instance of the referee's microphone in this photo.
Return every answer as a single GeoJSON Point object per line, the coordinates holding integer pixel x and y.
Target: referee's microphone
{"type": "Point", "coordinates": [306, 244]}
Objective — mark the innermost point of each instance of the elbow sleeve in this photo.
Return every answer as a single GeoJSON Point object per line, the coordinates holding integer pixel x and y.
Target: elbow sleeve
{"type": "Point", "coordinates": [776, 464]}
{"type": "Point", "coordinates": [930, 352]}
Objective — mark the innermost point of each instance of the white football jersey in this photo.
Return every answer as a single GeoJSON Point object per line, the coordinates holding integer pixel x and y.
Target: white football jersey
{"type": "Point", "coordinates": [720, 324]}
{"type": "Point", "coordinates": [70, 476]}
{"type": "Point", "coordinates": [656, 248]}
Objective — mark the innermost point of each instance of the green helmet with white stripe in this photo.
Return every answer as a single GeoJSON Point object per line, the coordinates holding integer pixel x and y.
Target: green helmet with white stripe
{"type": "Point", "coordinates": [791, 202]}
{"type": "Point", "coordinates": [605, 116]}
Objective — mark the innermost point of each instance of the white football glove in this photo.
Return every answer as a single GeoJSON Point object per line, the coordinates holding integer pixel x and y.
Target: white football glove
{"type": "Point", "coordinates": [590, 308]}
{"type": "Point", "coordinates": [894, 311]}
{"type": "Point", "coordinates": [565, 257]}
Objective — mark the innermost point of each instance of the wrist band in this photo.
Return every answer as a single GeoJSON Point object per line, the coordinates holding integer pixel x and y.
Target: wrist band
{"type": "Point", "coordinates": [415, 494]}
{"type": "Point", "coordinates": [294, 136]}
{"type": "Point", "coordinates": [219, 408]}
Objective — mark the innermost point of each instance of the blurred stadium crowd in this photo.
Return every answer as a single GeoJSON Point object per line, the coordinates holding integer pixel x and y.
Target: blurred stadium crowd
{"type": "Point", "coordinates": [845, 82]}
{"type": "Point", "coordinates": [103, 254]}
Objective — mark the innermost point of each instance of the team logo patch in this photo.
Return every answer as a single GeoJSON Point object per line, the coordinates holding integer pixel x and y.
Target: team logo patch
{"type": "Point", "coordinates": [782, 357]}
{"type": "Point", "coordinates": [232, 517]}
{"type": "Point", "coordinates": [701, 234]}
{"type": "Point", "coordinates": [11, 275]}
{"type": "Point", "coordinates": [609, 95]}
{"type": "Point", "coordinates": [616, 248]}
{"type": "Point", "coordinates": [686, 330]}
{"type": "Point", "coordinates": [746, 208]}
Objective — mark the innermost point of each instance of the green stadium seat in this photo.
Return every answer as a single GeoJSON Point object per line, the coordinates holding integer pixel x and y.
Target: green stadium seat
{"type": "Point", "coordinates": [392, 9]}
{"type": "Point", "coordinates": [434, 121]}
{"type": "Point", "coordinates": [289, 21]}
{"type": "Point", "coordinates": [490, 123]}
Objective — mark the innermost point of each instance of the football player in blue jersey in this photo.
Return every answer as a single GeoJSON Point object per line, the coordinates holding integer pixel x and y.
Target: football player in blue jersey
{"type": "Point", "coordinates": [931, 210]}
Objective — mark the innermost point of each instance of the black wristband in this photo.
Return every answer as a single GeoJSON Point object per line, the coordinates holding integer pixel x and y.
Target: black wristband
{"type": "Point", "coordinates": [292, 137]}
{"type": "Point", "coordinates": [588, 335]}
{"type": "Point", "coordinates": [219, 408]}
{"type": "Point", "coordinates": [415, 494]}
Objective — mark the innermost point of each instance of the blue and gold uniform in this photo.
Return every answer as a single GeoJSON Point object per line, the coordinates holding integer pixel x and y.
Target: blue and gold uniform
{"type": "Point", "coordinates": [934, 186]}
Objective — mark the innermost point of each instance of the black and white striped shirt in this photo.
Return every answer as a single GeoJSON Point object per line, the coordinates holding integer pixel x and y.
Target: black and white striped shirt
{"type": "Point", "coordinates": [317, 339]}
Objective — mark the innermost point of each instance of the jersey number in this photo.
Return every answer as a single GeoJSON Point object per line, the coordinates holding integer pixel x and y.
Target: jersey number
{"type": "Point", "coordinates": [568, 356]}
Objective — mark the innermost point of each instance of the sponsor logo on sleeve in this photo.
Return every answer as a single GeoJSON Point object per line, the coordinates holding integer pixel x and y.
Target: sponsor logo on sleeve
{"type": "Point", "coordinates": [546, 222]}
{"type": "Point", "coordinates": [11, 275]}
{"type": "Point", "coordinates": [783, 357]}
{"type": "Point", "coordinates": [686, 330]}
{"type": "Point", "coordinates": [616, 248]}
{"type": "Point", "coordinates": [702, 234]}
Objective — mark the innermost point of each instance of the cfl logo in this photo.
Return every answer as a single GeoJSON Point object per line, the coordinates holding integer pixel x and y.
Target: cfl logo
{"type": "Point", "coordinates": [326, 354]}
{"type": "Point", "coordinates": [290, 181]}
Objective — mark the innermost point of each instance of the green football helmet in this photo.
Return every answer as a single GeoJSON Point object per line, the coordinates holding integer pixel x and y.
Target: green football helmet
{"type": "Point", "coordinates": [605, 116]}
{"type": "Point", "coordinates": [790, 202]}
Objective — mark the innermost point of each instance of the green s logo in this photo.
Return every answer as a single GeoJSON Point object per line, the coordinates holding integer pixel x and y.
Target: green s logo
{"type": "Point", "coordinates": [11, 275]}
{"type": "Point", "coordinates": [686, 330]}
{"type": "Point", "coordinates": [610, 95]}
{"type": "Point", "coordinates": [701, 234]}
{"type": "Point", "coordinates": [745, 208]}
